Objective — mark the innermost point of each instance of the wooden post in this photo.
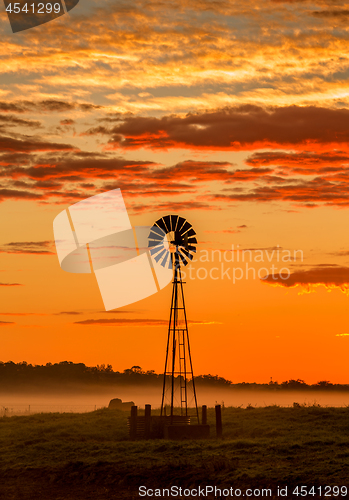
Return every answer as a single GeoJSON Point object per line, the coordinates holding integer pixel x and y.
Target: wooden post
{"type": "Point", "coordinates": [133, 422]}
{"type": "Point", "coordinates": [147, 423]}
{"type": "Point", "coordinates": [204, 415]}
{"type": "Point", "coordinates": [219, 428]}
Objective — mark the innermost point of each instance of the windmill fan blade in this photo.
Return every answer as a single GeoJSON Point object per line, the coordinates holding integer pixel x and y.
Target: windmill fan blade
{"type": "Point", "coordinates": [167, 221]}
{"type": "Point", "coordinates": [157, 231]}
{"type": "Point", "coordinates": [180, 234]}
{"type": "Point", "coordinates": [153, 244]}
{"type": "Point", "coordinates": [191, 248]}
{"type": "Point", "coordinates": [185, 228]}
{"type": "Point", "coordinates": [160, 223]}
{"type": "Point", "coordinates": [192, 240]}
{"type": "Point", "coordinates": [160, 255]}
{"type": "Point", "coordinates": [183, 259]}
{"type": "Point", "coordinates": [164, 262]}
{"type": "Point", "coordinates": [187, 254]}
{"type": "Point", "coordinates": [174, 220]}
{"type": "Point", "coordinates": [180, 223]}
{"type": "Point", "coordinates": [191, 233]}
{"type": "Point", "coordinates": [154, 251]}
{"type": "Point", "coordinates": [170, 264]}
{"type": "Point", "coordinates": [155, 236]}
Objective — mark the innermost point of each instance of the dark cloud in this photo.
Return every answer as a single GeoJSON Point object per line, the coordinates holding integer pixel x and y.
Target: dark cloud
{"type": "Point", "coordinates": [123, 322]}
{"type": "Point", "coordinates": [30, 144]}
{"type": "Point", "coordinates": [174, 206]}
{"type": "Point", "coordinates": [341, 253]}
{"type": "Point", "coordinates": [12, 107]}
{"type": "Point", "coordinates": [13, 121]}
{"type": "Point", "coordinates": [331, 191]}
{"type": "Point", "coordinates": [197, 171]}
{"type": "Point", "coordinates": [20, 314]}
{"type": "Point", "coordinates": [262, 249]}
{"type": "Point", "coordinates": [327, 275]}
{"type": "Point", "coordinates": [47, 184]}
{"type": "Point", "coordinates": [4, 323]}
{"type": "Point", "coordinates": [228, 231]}
{"type": "Point", "coordinates": [21, 184]}
{"type": "Point", "coordinates": [67, 122]}
{"type": "Point", "coordinates": [88, 106]}
{"type": "Point", "coordinates": [66, 167]}
{"type": "Point", "coordinates": [303, 160]}
{"type": "Point", "coordinates": [12, 159]}
{"type": "Point", "coordinates": [46, 105]}
{"type": "Point", "coordinates": [343, 14]}
{"type": "Point", "coordinates": [39, 170]}
{"type": "Point", "coordinates": [7, 194]}
{"type": "Point", "coordinates": [132, 322]}
{"type": "Point", "coordinates": [235, 128]}
{"type": "Point", "coordinates": [11, 284]}
{"type": "Point", "coordinates": [71, 313]}
{"type": "Point", "coordinates": [28, 247]}
{"type": "Point", "coordinates": [150, 189]}
{"type": "Point", "coordinates": [201, 171]}
{"type": "Point", "coordinates": [55, 105]}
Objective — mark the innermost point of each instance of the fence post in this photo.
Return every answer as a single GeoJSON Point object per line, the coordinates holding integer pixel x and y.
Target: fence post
{"type": "Point", "coordinates": [204, 415]}
{"type": "Point", "coordinates": [147, 423]}
{"type": "Point", "coordinates": [219, 428]}
{"type": "Point", "coordinates": [133, 422]}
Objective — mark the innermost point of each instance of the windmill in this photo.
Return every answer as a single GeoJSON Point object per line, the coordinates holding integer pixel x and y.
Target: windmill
{"type": "Point", "coordinates": [172, 242]}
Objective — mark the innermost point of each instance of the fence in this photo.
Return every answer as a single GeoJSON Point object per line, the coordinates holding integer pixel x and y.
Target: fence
{"type": "Point", "coordinates": [11, 410]}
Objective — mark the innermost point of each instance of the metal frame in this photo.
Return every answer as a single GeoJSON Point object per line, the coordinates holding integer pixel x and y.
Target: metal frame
{"type": "Point", "coordinates": [178, 355]}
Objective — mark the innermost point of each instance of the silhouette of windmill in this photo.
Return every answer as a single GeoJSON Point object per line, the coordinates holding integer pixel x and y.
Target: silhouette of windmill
{"type": "Point", "coordinates": [172, 242]}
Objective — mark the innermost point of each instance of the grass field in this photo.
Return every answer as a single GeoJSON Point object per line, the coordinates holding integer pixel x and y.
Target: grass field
{"type": "Point", "coordinates": [89, 456]}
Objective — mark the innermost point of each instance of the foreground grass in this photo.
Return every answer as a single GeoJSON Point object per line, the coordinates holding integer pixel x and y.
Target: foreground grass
{"type": "Point", "coordinates": [89, 456]}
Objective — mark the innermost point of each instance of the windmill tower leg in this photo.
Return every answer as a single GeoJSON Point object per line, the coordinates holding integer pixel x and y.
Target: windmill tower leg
{"type": "Point", "coordinates": [178, 364]}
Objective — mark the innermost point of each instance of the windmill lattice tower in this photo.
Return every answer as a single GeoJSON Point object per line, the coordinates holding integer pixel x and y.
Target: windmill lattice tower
{"type": "Point", "coordinates": [173, 243]}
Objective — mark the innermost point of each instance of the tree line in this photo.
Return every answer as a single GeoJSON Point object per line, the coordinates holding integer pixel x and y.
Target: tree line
{"type": "Point", "coordinates": [66, 372]}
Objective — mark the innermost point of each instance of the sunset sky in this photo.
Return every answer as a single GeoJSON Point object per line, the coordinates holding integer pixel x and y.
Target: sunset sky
{"type": "Point", "coordinates": [234, 115]}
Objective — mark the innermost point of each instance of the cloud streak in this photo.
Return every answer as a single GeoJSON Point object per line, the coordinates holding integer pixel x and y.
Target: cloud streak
{"type": "Point", "coordinates": [133, 322]}
{"type": "Point", "coordinates": [11, 284]}
{"type": "Point", "coordinates": [28, 247]}
{"type": "Point", "coordinates": [328, 276]}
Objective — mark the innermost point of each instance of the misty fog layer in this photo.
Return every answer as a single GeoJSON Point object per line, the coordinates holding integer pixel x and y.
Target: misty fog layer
{"type": "Point", "coordinates": [34, 402]}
